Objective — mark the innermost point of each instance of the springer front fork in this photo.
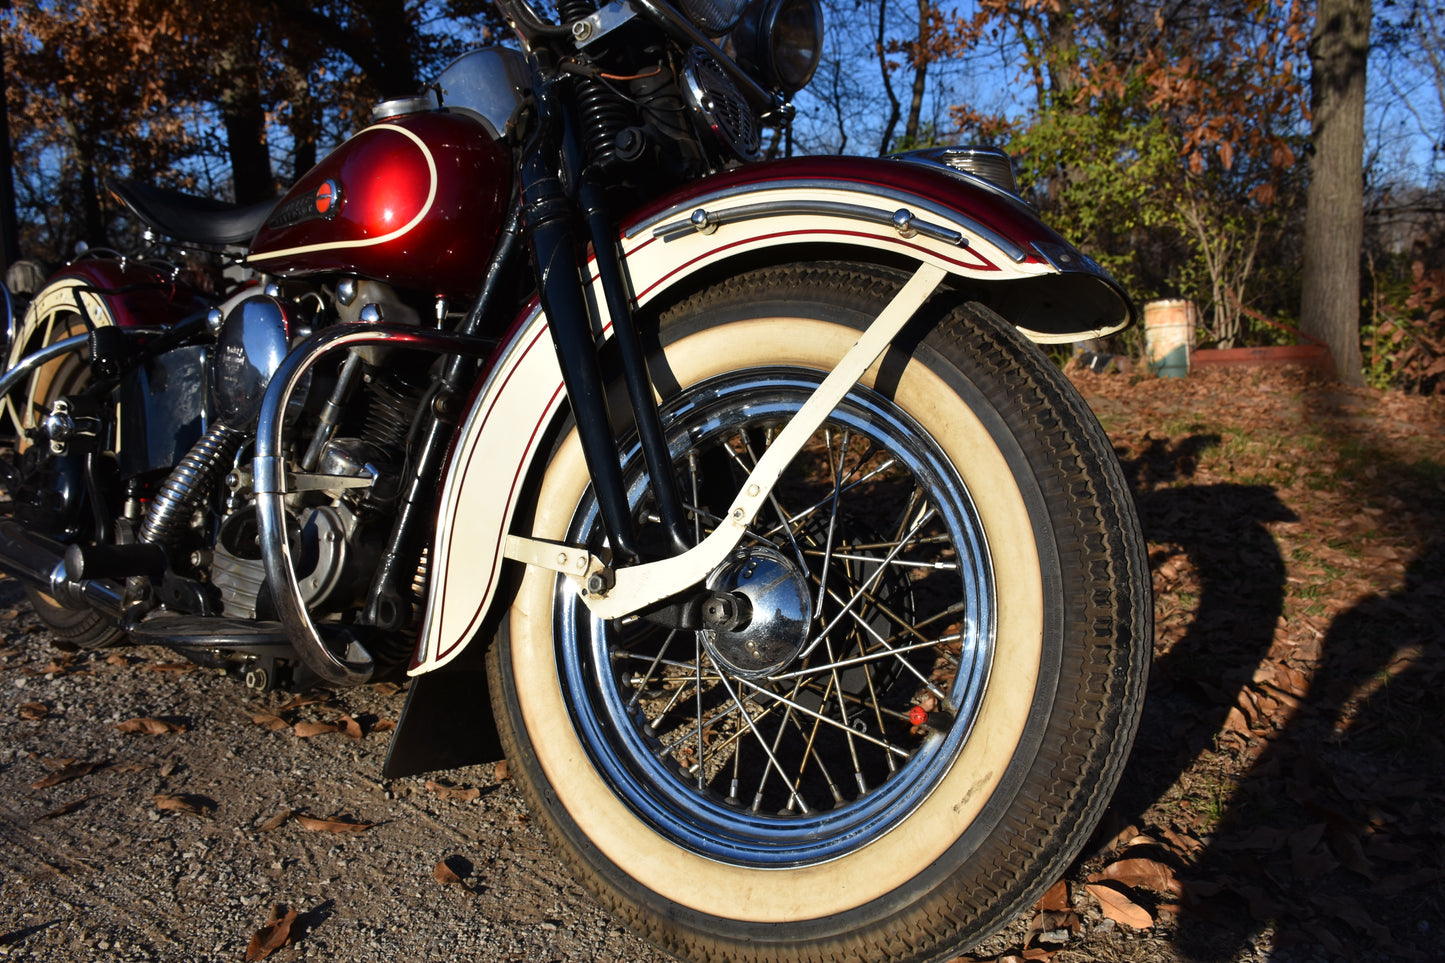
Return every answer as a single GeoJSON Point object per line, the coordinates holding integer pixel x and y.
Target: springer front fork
{"type": "Point", "coordinates": [638, 583]}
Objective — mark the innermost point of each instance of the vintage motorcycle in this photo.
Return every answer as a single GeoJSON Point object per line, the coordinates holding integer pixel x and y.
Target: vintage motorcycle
{"type": "Point", "coordinates": [807, 596]}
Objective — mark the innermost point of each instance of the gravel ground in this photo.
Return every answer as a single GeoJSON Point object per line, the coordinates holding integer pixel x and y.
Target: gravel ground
{"type": "Point", "coordinates": [93, 868]}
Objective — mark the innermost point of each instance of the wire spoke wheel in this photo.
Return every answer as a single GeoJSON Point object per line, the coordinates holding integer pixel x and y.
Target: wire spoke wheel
{"type": "Point", "coordinates": [916, 679]}
{"type": "Point", "coordinates": [785, 740]}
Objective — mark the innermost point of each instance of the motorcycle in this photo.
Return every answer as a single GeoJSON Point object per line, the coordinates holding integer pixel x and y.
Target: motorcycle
{"type": "Point", "coordinates": [733, 500]}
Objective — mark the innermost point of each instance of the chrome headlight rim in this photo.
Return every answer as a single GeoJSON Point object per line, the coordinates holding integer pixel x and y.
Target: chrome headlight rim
{"type": "Point", "coordinates": [759, 45]}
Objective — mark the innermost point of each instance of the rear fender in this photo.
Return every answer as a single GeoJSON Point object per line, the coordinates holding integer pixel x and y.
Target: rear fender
{"type": "Point", "coordinates": [994, 246]}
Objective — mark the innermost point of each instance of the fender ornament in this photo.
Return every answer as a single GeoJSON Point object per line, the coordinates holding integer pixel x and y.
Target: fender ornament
{"type": "Point", "coordinates": [639, 586]}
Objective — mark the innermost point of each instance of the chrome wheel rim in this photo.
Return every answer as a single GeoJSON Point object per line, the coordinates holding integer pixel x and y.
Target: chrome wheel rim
{"type": "Point", "coordinates": [835, 747]}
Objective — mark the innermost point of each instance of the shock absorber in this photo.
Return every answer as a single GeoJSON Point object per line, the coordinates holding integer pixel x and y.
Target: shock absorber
{"type": "Point", "coordinates": [603, 113]}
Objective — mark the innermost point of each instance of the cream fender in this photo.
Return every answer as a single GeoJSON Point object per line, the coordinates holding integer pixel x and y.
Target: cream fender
{"type": "Point", "coordinates": [523, 392]}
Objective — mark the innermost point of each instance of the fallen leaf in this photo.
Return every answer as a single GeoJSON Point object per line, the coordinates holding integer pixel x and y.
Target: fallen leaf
{"type": "Point", "coordinates": [1055, 898]}
{"type": "Point", "coordinates": [182, 803]}
{"type": "Point", "coordinates": [305, 730]}
{"type": "Point", "coordinates": [172, 667]}
{"type": "Point", "coordinates": [131, 767]}
{"type": "Point", "coordinates": [275, 821]}
{"type": "Point", "coordinates": [300, 701]}
{"type": "Point", "coordinates": [269, 721]}
{"type": "Point", "coordinates": [115, 660]}
{"type": "Point", "coordinates": [1144, 873]}
{"type": "Point", "coordinates": [500, 772]}
{"type": "Point", "coordinates": [451, 792]}
{"type": "Point", "coordinates": [349, 727]}
{"type": "Point", "coordinates": [383, 725]}
{"type": "Point", "coordinates": [1120, 908]}
{"type": "Point", "coordinates": [331, 825]}
{"type": "Point", "coordinates": [386, 688]}
{"type": "Point", "coordinates": [69, 807]}
{"type": "Point", "coordinates": [151, 727]}
{"type": "Point", "coordinates": [67, 773]}
{"type": "Point", "coordinates": [271, 937]}
{"type": "Point", "coordinates": [443, 874]}
{"type": "Point", "coordinates": [31, 711]}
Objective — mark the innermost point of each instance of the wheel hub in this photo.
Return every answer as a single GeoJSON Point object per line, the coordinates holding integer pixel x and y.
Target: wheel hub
{"type": "Point", "coordinates": [758, 613]}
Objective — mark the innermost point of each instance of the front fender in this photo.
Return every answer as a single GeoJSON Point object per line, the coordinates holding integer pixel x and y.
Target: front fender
{"type": "Point", "coordinates": [996, 248]}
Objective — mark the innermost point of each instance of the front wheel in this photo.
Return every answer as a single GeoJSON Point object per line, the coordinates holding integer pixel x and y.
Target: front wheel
{"type": "Point", "coordinates": [925, 701]}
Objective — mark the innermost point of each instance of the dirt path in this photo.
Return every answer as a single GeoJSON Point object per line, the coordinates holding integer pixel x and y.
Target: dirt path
{"type": "Point", "coordinates": [1282, 803]}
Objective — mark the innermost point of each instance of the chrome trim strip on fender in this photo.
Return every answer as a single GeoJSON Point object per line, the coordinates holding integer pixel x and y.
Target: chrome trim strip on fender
{"type": "Point", "coordinates": [790, 205]}
{"type": "Point", "coordinates": [703, 221]}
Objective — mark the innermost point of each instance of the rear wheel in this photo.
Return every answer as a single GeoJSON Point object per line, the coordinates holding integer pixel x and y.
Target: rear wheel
{"type": "Point", "coordinates": [935, 675]}
{"type": "Point", "coordinates": [53, 318]}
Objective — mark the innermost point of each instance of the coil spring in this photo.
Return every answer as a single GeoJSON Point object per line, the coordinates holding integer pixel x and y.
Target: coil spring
{"type": "Point", "coordinates": [389, 414]}
{"type": "Point", "coordinates": [604, 116]}
{"type": "Point", "coordinates": [189, 483]}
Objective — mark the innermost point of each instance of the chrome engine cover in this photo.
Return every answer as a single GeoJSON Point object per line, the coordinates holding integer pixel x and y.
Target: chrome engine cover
{"type": "Point", "coordinates": [253, 340]}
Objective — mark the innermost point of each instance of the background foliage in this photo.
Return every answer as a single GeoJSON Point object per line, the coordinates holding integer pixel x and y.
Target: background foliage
{"type": "Point", "coordinates": [1169, 138]}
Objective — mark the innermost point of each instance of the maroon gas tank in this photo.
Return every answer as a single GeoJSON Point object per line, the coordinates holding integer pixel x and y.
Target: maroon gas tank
{"type": "Point", "coordinates": [415, 201]}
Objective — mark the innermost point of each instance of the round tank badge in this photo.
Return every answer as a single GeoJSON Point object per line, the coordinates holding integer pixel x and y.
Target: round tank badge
{"type": "Point", "coordinates": [328, 199]}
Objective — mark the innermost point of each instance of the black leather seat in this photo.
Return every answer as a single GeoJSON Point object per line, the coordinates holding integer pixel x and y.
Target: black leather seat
{"type": "Point", "coordinates": [184, 217]}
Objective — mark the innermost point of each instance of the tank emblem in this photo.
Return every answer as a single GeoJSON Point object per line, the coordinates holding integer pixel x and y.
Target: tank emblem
{"type": "Point", "coordinates": [328, 199]}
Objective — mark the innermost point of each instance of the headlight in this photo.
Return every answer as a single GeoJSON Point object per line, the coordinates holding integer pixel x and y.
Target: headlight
{"type": "Point", "coordinates": [781, 41]}
{"type": "Point", "coordinates": [714, 17]}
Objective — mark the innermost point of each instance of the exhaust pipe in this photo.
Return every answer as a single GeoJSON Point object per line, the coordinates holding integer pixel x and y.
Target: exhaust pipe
{"type": "Point", "coordinates": [40, 562]}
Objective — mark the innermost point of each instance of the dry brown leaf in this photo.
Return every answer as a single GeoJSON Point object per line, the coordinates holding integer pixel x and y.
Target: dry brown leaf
{"type": "Point", "coordinates": [31, 711]}
{"type": "Point", "coordinates": [386, 688]}
{"type": "Point", "coordinates": [349, 727]}
{"type": "Point", "coordinates": [271, 937]}
{"type": "Point", "coordinates": [268, 720]}
{"type": "Point", "coordinates": [1120, 908]}
{"type": "Point", "coordinates": [180, 803]}
{"type": "Point", "coordinates": [150, 727]}
{"type": "Point", "coordinates": [383, 725]}
{"type": "Point", "coordinates": [69, 807]}
{"type": "Point", "coordinates": [115, 660]}
{"type": "Point", "coordinates": [443, 874]}
{"type": "Point", "coordinates": [308, 729]}
{"type": "Point", "coordinates": [275, 821]}
{"type": "Point", "coordinates": [500, 771]}
{"type": "Point", "coordinates": [300, 701]}
{"type": "Point", "coordinates": [1055, 899]}
{"type": "Point", "coordinates": [452, 792]}
{"type": "Point", "coordinates": [66, 773]}
{"type": "Point", "coordinates": [331, 825]}
{"type": "Point", "coordinates": [1144, 873]}
{"type": "Point", "coordinates": [172, 667]}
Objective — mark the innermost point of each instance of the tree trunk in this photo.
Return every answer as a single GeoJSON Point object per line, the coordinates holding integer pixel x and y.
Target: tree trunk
{"type": "Point", "coordinates": [9, 220]}
{"type": "Point", "coordinates": [244, 117]}
{"type": "Point", "coordinates": [1335, 212]}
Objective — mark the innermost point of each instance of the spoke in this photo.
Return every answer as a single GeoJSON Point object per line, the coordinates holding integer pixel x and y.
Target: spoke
{"type": "Point", "coordinates": [881, 743]}
{"type": "Point", "coordinates": [867, 585]}
{"type": "Point", "coordinates": [793, 521]}
{"type": "Point", "coordinates": [875, 560]}
{"type": "Point", "coordinates": [697, 648]}
{"type": "Point", "coordinates": [772, 759]}
{"type": "Point", "coordinates": [874, 655]}
{"type": "Point", "coordinates": [863, 623]}
{"type": "Point", "coordinates": [657, 660]}
{"type": "Point", "coordinates": [832, 517]}
{"type": "Point", "coordinates": [662, 752]}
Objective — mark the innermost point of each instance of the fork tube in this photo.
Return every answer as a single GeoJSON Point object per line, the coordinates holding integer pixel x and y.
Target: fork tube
{"type": "Point", "coordinates": [549, 215]}
{"type": "Point", "coordinates": [634, 366]}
